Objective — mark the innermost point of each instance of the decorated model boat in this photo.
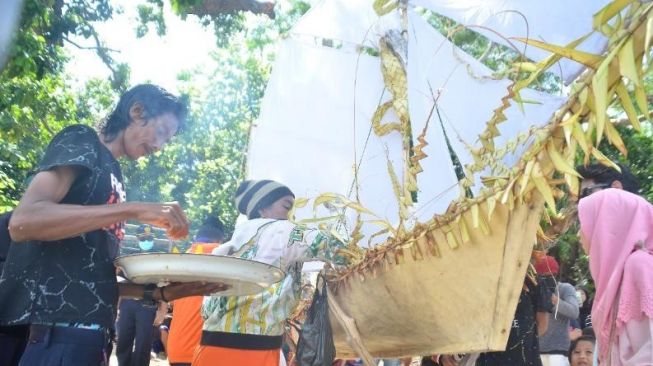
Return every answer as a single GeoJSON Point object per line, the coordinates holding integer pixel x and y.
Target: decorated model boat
{"type": "Point", "coordinates": [436, 165]}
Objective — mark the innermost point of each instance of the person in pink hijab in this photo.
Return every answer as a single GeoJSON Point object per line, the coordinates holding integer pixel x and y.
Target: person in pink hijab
{"type": "Point", "coordinates": [617, 233]}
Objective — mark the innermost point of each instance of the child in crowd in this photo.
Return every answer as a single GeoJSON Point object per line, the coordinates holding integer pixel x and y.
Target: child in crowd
{"type": "Point", "coordinates": [581, 351]}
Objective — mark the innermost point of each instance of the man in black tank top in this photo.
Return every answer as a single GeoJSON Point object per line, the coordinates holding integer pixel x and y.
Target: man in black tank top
{"type": "Point", "coordinates": [59, 278]}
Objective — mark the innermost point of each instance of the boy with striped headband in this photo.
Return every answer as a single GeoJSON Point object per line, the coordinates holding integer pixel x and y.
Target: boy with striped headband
{"type": "Point", "coordinates": [248, 330]}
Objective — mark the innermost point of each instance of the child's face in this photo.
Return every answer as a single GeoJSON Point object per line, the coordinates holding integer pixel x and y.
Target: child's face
{"type": "Point", "coordinates": [583, 354]}
{"type": "Point", "coordinates": [279, 209]}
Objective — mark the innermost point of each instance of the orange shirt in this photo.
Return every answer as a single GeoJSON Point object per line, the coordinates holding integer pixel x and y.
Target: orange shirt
{"type": "Point", "coordinates": [202, 248]}
{"type": "Point", "coordinates": [186, 327]}
{"type": "Point", "coordinates": [220, 356]}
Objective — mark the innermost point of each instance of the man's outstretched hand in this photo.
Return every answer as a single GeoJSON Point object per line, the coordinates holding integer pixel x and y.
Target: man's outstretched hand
{"type": "Point", "coordinates": [168, 216]}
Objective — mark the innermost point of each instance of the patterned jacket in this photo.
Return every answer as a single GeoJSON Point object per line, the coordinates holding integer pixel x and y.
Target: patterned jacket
{"type": "Point", "coordinates": [280, 243]}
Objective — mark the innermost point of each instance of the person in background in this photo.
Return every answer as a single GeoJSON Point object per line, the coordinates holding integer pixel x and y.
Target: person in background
{"type": "Point", "coordinates": [12, 339]}
{"type": "Point", "coordinates": [530, 321]}
{"type": "Point", "coordinates": [574, 331]}
{"type": "Point", "coordinates": [160, 330]}
{"type": "Point", "coordinates": [589, 331]}
{"type": "Point", "coordinates": [186, 325]}
{"type": "Point", "coordinates": [389, 362]}
{"type": "Point", "coordinates": [576, 326]}
{"type": "Point", "coordinates": [356, 362]}
{"type": "Point", "coordinates": [5, 238]}
{"type": "Point", "coordinates": [597, 177]}
{"type": "Point", "coordinates": [554, 344]}
{"type": "Point", "coordinates": [59, 277]}
{"type": "Point", "coordinates": [617, 234]}
{"type": "Point", "coordinates": [451, 360]}
{"type": "Point", "coordinates": [136, 317]}
{"type": "Point", "coordinates": [585, 313]}
{"type": "Point", "coordinates": [248, 330]}
{"type": "Point", "coordinates": [581, 351]}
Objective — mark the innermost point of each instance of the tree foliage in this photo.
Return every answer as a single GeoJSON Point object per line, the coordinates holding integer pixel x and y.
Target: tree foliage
{"type": "Point", "coordinates": [497, 57]}
{"type": "Point", "coordinates": [202, 166]}
{"type": "Point", "coordinates": [37, 101]}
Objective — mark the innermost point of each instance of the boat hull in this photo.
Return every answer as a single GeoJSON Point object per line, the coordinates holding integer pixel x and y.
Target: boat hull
{"type": "Point", "coordinates": [462, 299]}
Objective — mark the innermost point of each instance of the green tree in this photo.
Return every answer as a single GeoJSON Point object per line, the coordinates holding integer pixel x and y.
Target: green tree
{"type": "Point", "coordinates": [37, 102]}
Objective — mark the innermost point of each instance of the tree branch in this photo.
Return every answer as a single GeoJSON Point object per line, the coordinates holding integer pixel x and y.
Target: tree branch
{"type": "Point", "coordinates": [77, 45]}
{"type": "Point", "coordinates": [216, 7]}
{"type": "Point", "coordinates": [103, 53]}
{"type": "Point", "coordinates": [47, 127]}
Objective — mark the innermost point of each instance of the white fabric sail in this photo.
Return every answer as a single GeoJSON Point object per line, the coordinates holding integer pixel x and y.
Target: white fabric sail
{"type": "Point", "coordinates": [310, 100]}
{"type": "Point", "coordinates": [556, 22]}
{"type": "Point", "coordinates": [314, 127]}
{"type": "Point", "coordinates": [465, 102]}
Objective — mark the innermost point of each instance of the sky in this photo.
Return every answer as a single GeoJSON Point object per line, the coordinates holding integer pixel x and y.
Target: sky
{"type": "Point", "coordinates": [187, 45]}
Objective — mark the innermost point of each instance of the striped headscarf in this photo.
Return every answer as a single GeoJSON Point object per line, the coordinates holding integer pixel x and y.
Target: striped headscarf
{"type": "Point", "coordinates": [254, 195]}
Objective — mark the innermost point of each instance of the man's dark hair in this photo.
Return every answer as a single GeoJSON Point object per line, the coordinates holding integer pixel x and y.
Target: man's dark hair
{"type": "Point", "coordinates": [155, 101]}
{"type": "Point", "coordinates": [600, 173]}
{"type": "Point", "coordinates": [211, 231]}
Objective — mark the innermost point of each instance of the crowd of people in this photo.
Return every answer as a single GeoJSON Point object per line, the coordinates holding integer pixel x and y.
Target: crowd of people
{"type": "Point", "coordinates": [62, 302]}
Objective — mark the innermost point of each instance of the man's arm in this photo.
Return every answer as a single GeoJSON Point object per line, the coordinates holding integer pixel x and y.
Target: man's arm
{"type": "Point", "coordinates": [40, 216]}
{"type": "Point", "coordinates": [161, 312]}
{"type": "Point", "coordinates": [567, 305]}
{"type": "Point", "coordinates": [170, 292]}
{"type": "Point", "coordinates": [541, 322]}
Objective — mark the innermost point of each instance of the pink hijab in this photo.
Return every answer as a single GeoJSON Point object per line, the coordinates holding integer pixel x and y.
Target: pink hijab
{"type": "Point", "coordinates": [617, 227]}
